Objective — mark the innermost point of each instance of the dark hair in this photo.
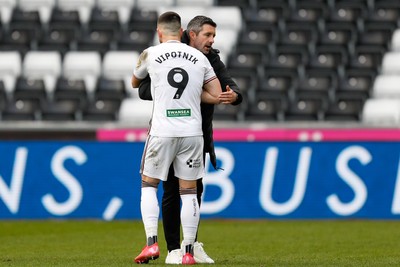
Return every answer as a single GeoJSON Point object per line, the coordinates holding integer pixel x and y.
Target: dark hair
{"type": "Point", "coordinates": [196, 24]}
{"type": "Point", "coordinates": [169, 17]}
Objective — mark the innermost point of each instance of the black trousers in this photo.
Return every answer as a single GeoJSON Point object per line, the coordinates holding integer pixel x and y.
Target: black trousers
{"type": "Point", "coordinates": [171, 209]}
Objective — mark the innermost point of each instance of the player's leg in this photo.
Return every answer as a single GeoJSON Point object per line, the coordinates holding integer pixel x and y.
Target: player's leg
{"type": "Point", "coordinates": [190, 216]}
{"type": "Point", "coordinates": [200, 254]}
{"type": "Point", "coordinates": [156, 150]}
{"type": "Point", "coordinates": [189, 168]}
{"type": "Point", "coordinates": [150, 212]}
{"type": "Point", "coordinates": [171, 204]}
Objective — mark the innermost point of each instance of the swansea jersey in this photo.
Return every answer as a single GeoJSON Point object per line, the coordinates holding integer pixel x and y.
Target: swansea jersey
{"type": "Point", "coordinates": [178, 73]}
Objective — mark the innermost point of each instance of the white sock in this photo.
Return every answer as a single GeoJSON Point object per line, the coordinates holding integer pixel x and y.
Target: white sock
{"type": "Point", "coordinates": [190, 216]}
{"type": "Point", "coordinates": [150, 210]}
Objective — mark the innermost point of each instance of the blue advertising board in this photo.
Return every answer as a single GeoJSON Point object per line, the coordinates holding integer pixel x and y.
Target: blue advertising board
{"type": "Point", "coordinates": [292, 180]}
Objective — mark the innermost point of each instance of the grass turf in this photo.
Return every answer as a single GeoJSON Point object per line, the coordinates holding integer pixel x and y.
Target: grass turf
{"type": "Point", "coordinates": [229, 243]}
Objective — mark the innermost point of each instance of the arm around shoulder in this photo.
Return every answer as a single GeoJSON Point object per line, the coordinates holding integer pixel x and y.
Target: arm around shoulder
{"type": "Point", "coordinates": [211, 92]}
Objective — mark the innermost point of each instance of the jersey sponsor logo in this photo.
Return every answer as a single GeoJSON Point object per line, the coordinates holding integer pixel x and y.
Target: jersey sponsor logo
{"type": "Point", "coordinates": [179, 112]}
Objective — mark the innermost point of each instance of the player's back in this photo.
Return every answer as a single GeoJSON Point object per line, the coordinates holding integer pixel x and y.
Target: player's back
{"type": "Point", "coordinates": [178, 73]}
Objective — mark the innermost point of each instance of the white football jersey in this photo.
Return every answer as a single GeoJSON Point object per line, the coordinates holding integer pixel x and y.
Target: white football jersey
{"type": "Point", "coordinates": [178, 73]}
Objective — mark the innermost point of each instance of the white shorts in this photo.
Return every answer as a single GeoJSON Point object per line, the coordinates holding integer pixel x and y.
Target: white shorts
{"type": "Point", "coordinates": [186, 154]}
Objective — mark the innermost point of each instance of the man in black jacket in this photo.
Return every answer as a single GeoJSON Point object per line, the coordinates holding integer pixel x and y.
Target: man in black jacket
{"type": "Point", "coordinates": [199, 34]}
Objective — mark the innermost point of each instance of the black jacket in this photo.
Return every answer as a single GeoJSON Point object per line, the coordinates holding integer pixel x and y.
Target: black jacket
{"type": "Point", "coordinates": [207, 110]}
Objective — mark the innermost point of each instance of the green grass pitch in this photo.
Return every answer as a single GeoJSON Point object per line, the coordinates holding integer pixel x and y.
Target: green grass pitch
{"type": "Point", "coordinates": [228, 242]}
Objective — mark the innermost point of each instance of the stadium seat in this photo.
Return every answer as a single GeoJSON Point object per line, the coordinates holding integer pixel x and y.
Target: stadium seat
{"type": "Point", "coordinates": [225, 40]}
{"type": "Point", "coordinates": [21, 110]}
{"type": "Point", "coordinates": [135, 111]}
{"type": "Point", "coordinates": [395, 41]}
{"type": "Point", "coordinates": [391, 63]}
{"type": "Point", "coordinates": [82, 65]}
{"type": "Point", "coordinates": [304, 109]}
{"type": "Point", "coordinates": [245, 60]}
{"type": "Point", "coordinates": [257, 39]}
{"type": "Point", "coordinates": [387, 11]}
{"type": "Point", "coordinates": [205, 3]}
{"type": "Point", "coordinates": [60, 110]}
{"type": "Point", "coordinates": [115, 4]}
{"type": "Point", "coordinates": [44, 7]}
{"type": "Point", "coordinates": [316, 84]}
{"type": "Point", "coordinates": [98, 40]}
{"type": "Point", "coordinates": [355, 84]}
{"type": "Point", "coordinates": [265, 108]}
{"type": "Point", "coordinates": [246, 81]}
{"type": "Point", "coordinates": [135, 40]}
{"type": "Point", "coordinates": [3, 96]}
{"type": "Point", "coordinates": [58, 38]}
{"type": "Point", "coordinates": [386, 86]}
{"type": "Point", "coordinates": [6, 8]}
{"type": "Point", "coordinates": [343, 109]}
{"type": "Point", "coordinates": [101, 110]}
{"type": "Point", "coordinates": [338, 34]}
{"type": "Point", "coordinates": [277, 83]}
{"type": "Point", "coordinates": [22, 32]}
{"type": "Point", "coordinates": [16, 40]}
{"type": "Point", "coordinates": [308, 12]}
{"type": "Point", "coordinates": [104, 19]}
{"type": "Point", "coordinates": [267, 13]}
{"type": "Point", "coordinates": [302, 34]}
{"type": "Point", "coordinates": [84, 7]}
{"type": "Point", "coordinates": [25, 17]}
{"type": "Point", "coordinates": [71, 89]}
{"type": "Point", "coordinates": [328, 57]}
{"type": "Point", "coordinates": [288, 57]}
{"type": "Point", "coordinates": [381, 111]}
{"type": "Point", "coordinates": [229, 17]}
{"type": "Point", "coordinates": [367, 57]}
{"type": "Point", "coordinates": [377, 34]}
{"type": "Point", "coordinates": [110, 89]}
{"type": "Point", "coordinates": [348, 11]}
{"type": "Point", "coordinates": [143, 19]}
{"type": "Point", "coordinates": [45, 65]}
{"type": "Point", "coordinates": [10, 69]}
{"type": "Point", "coordinates": [227, 112]}
{"type": "Point", "coordinates": [32, 89]}
{"type": "Point", "coordinates": [186, 13]}
{"type": "Point", "coordinates": [119, 65]}
{"type": "Point", "coordinates": [243, 4]}
{"type": "Point", "coordinates": [123, 7]}
{"type": "Point", "coordinates": [153, 4]}
{"type": "Point", "coordinates": [65, 19]}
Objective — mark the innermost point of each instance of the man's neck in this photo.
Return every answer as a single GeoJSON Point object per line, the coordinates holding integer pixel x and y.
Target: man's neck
{"type": "Point", "coordinates": [171, 38]}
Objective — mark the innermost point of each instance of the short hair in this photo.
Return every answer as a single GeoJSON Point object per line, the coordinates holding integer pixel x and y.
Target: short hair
{"type": "Point", "coordinates": [196, 24]}
{"type": "Point", "coordinates": [169, 22]}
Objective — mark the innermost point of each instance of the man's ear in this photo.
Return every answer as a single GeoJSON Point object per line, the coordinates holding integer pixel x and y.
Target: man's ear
{"type": "Point", "coordinates": [159, 35]}
{"type": "Point", "coordinates": [192, 35]}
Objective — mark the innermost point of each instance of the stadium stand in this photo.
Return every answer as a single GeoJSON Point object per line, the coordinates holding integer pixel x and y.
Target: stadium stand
{"type": "Point", "coordinates": [295, 60]}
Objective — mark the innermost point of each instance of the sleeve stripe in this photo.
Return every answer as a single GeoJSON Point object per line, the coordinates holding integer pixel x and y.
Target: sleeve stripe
{"type": "Point", "coordinates": [209, 80]}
